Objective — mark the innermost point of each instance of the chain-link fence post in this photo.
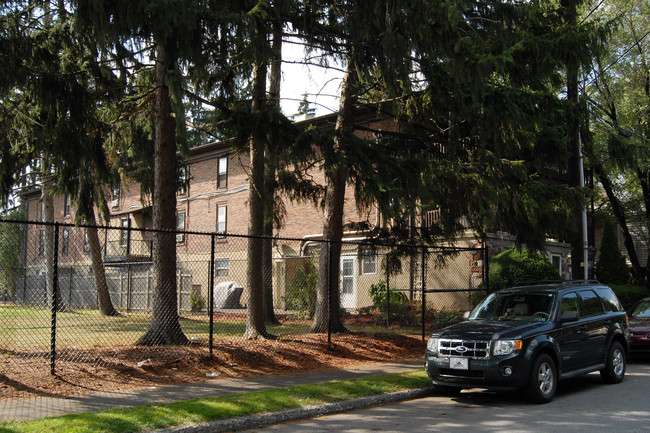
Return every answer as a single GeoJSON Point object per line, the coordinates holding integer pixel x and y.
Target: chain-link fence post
{"type": "Point", "coordinates": [387, 293]}
{"type": "Point", "coordinates": [330, 297]}
{"type": "Point", "coordinates": [211, 293]}
{"type": "Point", "coordinates": [55, 289]}
{"type": "Point", "coordinates": [423, 291]}
{"type": "Point", "coordinates": [486, 268]}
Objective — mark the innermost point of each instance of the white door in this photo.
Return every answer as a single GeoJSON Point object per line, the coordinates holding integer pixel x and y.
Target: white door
{"type": "Point", "coordinates": [348, 281]}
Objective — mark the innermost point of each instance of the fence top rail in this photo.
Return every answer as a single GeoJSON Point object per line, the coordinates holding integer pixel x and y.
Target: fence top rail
{"type": "Point", "coordinates": [369, 242]}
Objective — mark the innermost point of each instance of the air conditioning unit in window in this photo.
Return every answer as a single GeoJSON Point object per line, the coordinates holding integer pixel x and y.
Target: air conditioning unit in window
{"type": "Point", "coordinates": [115, 203]}
{"type": "Point", "coordinates": [180, 237]}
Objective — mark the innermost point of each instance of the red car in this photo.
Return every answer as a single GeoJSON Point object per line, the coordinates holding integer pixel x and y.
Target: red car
{"type": "Point", "coordinates": [640, 327]}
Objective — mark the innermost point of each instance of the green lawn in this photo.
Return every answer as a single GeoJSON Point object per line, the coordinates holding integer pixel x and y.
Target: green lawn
{"type": "Point", "coordinates": [29, 328]}
{"type": "Point", "coordinates": [203, 410]}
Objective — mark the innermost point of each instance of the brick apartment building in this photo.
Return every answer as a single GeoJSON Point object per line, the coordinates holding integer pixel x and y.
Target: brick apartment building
{"type": "Point", "coordinates": [212, 198]}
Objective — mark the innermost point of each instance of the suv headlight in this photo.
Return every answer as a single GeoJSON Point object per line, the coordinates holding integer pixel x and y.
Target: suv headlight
{"type": "Point", "coordinates": [505, 347]}
{"type": "Point", "coordinates": [432, 345]}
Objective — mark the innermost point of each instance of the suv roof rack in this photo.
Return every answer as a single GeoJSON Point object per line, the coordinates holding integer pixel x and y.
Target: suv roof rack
{"type": "Point", "coordinates": [563, 282]}
{"type": "Point", "coordinates": [537, 283]}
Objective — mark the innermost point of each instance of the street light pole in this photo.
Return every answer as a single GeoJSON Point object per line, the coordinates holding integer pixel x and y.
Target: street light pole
{"type": "Point", "coordinates": [585, 238]}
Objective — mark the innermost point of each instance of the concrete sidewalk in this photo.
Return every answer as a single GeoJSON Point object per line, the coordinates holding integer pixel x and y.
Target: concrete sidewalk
{"type": "Point", "coordinates": [19, 410]}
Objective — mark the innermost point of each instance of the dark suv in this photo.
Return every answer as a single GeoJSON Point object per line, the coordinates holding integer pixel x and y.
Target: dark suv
{"type": "Point", "coordinates": [529, 337]}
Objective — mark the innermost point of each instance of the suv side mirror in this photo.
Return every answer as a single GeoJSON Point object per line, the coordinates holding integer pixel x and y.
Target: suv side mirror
{"type": "Point", "coordinates": [569, 316]}
{"type": "Point", "coordinates": [466, 316]}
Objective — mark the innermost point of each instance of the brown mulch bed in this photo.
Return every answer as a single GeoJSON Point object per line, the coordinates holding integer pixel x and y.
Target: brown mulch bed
{"type": "Point", "coordinates": [117, 369]}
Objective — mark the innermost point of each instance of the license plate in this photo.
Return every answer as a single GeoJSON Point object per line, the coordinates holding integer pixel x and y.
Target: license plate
{"type": "Point", "coordinates": [459, 363]}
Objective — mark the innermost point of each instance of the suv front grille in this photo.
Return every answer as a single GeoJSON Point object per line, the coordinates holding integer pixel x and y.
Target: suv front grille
{"type": "Point", "coordinates": [467, 348]}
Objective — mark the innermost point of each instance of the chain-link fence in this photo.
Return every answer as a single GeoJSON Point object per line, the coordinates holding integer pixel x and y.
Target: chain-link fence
{"type": "Point", "coordinates": [108, 296]}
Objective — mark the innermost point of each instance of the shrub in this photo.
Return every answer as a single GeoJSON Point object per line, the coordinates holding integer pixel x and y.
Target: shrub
{"type": "Point", "coordinates": [196, 301]}
{"type": "Point", "coordinates": [444, 318]}
{"type": "Point", "coordinates": [517, 266]}
{"type": "Point", "coordinates": [402, 311]}
{"type": "Point", "coordinates": [301, 296]}
{"type": "Point", "coordinates": [378, 295]}
{"type": "Point", "coordinates": [611, 267]}
{"type": "Point", "coordinates": [629, 295]}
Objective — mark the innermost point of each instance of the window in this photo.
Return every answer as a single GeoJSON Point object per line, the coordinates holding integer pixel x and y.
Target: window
{"type": "Point", "coordinates": [65, 241]}
{"type": "Point", "coordinates": [86, 244]}
{"type": "Point", "coordinates": [180, 226]}
{"type": "Point", "coordinates": [642, 309]}
{"type": "Point", "coordinates": [222, 179]}
{"type": "Point", "coordinates": [124, 234]}
{"type": "Point", "coordinates": [369, 262]}
{"type": "Point", "coordinates": [66, 206]}
{"type": "Point", "coordinates": [41, 242]}
{"type": "Point", "coordinates": [116, 196]}
{"type": "Point", "coordinates": [557, 262]}
{"type": "Point", "coordinates": [609, 299]}
{"type": "Point", "coordinates": [569, 303]}
{"type": "Point", "coordinates": [591, 303]}
{"type": "Point", "coordinates": [347, 276]}
{"type": "Point", "coordinates": [182, 180]}
{"type": "Point", "coordinates": [222, 267]}
{"type": "Point", "coordinates": [222, 215]}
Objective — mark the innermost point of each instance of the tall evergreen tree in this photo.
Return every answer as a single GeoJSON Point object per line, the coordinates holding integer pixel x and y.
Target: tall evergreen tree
{"type": "Point", "coordinates": [54, 76]}
{"type": "Point", "coordinates": [611, 267]}
{"type": "Point", "coordinates": [172, 29]}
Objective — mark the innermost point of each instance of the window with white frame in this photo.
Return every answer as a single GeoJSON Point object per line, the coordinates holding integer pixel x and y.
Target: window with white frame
{"type": "Point", "coordinates": [183, 181]}
{"type": "Point", "coordinates": [222, 178]}
{"type": "Point", "coordinates": [116, 196]}
{"type": "Point", "coordinates": [369, 262]}
{"type": "Point", "coordinates": [180, 226]}
{"type": "Point", "coordinates": [222, 218]}
{"type": "Point", "coordinates": [222, 267]}
{"type": "Point", "coordinates": [557, 262]}
{"type": "Point", "coordinates": [66, 206]}
{"type": "Point", "coordinates": [124, 234]}
{"type": "Point", "coordinates": [65, 241]}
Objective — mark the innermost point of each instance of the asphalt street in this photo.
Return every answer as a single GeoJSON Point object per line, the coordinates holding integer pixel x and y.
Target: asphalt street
{"type": "Point", "coordinates": [583, 404]}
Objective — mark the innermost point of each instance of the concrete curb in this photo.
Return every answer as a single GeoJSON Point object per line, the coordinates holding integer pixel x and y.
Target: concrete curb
{"type": "Point", "coordinates": [266, 419]}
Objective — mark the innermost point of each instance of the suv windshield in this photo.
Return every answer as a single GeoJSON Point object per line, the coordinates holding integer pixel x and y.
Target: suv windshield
{"type": "Point", "coordinates": [524, 306]}
{"type": "Point", "coordinates": [642, 309]}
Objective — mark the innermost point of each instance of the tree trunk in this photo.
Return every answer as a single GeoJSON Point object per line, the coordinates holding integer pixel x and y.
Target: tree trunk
{"type": "Point", "coordinates": [165, 326]}
{"type": "Point", "coordinates": [255, 327]}
{"type": "Point", "coordinates": [621, 220]}
{"type": "Point", "coordinates": [48, 239]}
{"type": "Point", "coordinates": [270, 183]}
{"type": "Point", "coordinates": [333, 218]}
{"type": "Point", "coordinates": [103, 296]}
{"type": "Point", "coordinates": [643, 174]}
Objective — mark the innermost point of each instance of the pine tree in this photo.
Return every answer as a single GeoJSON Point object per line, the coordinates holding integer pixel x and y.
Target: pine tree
{"type": "Point", "coordinates": [54, 76]}
{"type": "Point", "coordinates": [172, 29]}
{"type": "Point", "coordinates": [611, 267]}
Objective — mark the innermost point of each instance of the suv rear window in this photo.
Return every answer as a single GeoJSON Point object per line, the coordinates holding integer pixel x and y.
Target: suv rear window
{"type": "Point", "coordinates": [610, 300]}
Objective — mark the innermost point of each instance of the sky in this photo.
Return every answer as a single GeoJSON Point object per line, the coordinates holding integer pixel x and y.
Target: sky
{"type": "Point", "coordinates": [322, 85]}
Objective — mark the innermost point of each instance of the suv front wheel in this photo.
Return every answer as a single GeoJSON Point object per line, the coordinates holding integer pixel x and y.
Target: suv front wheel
{"type": "Point", "coordinates": [614, 370]}
{"type": "Point", "coordinates": [543, 380]}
